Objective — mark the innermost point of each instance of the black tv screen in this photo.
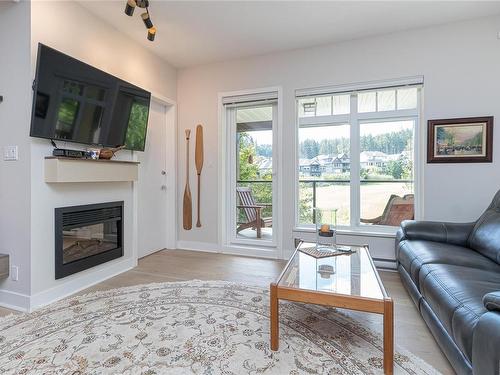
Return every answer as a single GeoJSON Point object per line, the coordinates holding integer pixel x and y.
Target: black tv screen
{"type": "Point", "coordinates": [76, 102]}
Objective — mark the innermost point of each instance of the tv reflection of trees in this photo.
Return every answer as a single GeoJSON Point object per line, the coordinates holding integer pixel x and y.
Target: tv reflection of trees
{"type": "Point", "coordinates": [137, 123]}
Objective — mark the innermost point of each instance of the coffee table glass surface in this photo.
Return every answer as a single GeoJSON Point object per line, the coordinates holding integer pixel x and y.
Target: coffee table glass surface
{"type": "Point", "coordinates": [347, 274]}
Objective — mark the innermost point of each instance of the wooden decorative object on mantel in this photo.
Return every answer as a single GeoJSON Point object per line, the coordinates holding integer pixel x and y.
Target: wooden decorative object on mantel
{"type": "Point", "coordinates": [108, 153]}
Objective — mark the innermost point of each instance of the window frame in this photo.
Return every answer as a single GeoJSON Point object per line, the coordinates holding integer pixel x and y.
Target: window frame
{"type": "Point", "coordinates": [355, 119]}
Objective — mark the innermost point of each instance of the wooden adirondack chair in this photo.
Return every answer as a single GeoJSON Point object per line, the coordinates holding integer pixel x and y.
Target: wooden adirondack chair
{"type": "Point", "coordinates": [253, 212]}
{"type": "Point", "coordinates": [396, 210]}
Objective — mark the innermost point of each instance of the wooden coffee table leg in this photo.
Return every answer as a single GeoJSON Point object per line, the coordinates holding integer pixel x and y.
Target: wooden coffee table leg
{"type": "Point", "coordinates": [274, 317]}
{"type": "Point", "coordinates": [388, 336]}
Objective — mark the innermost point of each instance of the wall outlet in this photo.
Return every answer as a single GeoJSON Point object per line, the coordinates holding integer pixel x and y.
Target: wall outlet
{"type": "Point", "coordinates": [10, 153]}
{"type": "Point", "coordinates": [14, 273]}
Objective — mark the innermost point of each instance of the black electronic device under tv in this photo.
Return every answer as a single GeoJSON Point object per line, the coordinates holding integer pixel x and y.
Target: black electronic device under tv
{"type": "Point", "coordinates": [75, 102]}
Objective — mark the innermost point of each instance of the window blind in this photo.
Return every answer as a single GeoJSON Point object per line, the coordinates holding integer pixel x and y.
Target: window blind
{"type": "Point", "coordinates": [356, 87]}
{"type": "Point", "coordinates": [250, 99]}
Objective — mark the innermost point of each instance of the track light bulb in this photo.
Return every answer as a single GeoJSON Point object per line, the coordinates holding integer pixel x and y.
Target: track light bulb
{"type": "Point", "coordinates": [130, 7]}
{"type": "Point", "coordinates": [147, 20]}
{"type": "Point", "coordinates": [142, 3]}
{"type": "Point", "coordinates": [151, 33]}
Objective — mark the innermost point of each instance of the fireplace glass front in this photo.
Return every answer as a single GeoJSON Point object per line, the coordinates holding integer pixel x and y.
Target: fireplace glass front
{"type": "Point", "coordinates": [89, 240]}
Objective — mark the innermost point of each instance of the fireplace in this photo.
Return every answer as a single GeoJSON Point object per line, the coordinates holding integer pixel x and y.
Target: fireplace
{"type": "Point", "coordinates": [86, 236]}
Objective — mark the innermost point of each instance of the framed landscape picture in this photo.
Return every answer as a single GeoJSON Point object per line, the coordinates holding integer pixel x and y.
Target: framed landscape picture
{"type": "Point", "coordinates": [460, 140]}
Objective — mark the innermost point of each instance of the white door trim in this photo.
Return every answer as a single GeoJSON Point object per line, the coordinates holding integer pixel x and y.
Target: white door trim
{"type": "Point", "coordinates": [171, 158]}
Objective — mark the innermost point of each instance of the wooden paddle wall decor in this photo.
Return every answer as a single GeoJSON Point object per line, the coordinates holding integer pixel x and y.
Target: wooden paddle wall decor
{"type": "Point", "coordinates": [198, 158]}
{"type": "Point", "coordinates": [187, 207]}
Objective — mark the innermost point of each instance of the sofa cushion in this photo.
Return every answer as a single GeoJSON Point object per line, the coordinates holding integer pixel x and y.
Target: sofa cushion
{"type": "Point", "coordinates": [455, 294]}
{"type": "Point", "coordinates": [485, 237]}
{"type": "Point", "coordinates": [414, 254]}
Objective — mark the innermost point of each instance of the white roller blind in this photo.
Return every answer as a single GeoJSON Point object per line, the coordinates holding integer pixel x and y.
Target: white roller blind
{"type": "Point", "coordinates": [250, 99]}
{"type": "Point", "coordinates": [349, 88]}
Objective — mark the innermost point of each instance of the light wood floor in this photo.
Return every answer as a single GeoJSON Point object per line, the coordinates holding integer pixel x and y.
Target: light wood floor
{"type": "Point", "coordinates": [411, 332]}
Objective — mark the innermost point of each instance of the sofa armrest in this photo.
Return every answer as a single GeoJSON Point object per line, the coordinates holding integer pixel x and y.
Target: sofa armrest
{"type": "Point", "coordinates": [492, 301]}
{"type": "Point", "coordinates": [485, 344]}
{"type": "Point", "coordinates": [452, 233]}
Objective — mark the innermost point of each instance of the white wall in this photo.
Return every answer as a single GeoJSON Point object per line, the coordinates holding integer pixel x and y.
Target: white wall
{"type": "Point", "coordinates": [70, 28]}
{"type": "Point", "coordinates": [459, 63]}
{"type": "Point", "coordinates": [15, 115]}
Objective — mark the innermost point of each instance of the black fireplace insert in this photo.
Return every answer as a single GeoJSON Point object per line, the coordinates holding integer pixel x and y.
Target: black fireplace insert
{"type": "Point", "coordinates": [86, 236]}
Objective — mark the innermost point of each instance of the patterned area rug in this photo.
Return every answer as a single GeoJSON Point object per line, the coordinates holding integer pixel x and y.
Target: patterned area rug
{"type": "Point", "coordinates": [189, 328]}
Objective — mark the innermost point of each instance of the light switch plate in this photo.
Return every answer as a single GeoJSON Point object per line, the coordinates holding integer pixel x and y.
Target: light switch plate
{"type": "Point", "coordinates": [10, 153]}
{"type": "Point", "coordinates": [14, 273]}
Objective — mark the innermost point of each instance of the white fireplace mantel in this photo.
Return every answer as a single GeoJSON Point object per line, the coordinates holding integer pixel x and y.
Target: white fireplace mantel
{"type": "Point", "coordinates": [64, 170]}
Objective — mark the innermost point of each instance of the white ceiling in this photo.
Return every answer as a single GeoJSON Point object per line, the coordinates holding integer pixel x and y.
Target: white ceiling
{"type": "Point", "coordinates": [199, 32]}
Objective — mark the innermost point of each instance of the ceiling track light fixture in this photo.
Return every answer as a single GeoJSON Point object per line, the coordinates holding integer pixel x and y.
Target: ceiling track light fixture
{"type": "Point", "coordinates": [143, 4]}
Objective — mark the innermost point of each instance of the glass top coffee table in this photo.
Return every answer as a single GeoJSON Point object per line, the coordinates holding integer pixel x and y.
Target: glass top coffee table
{"type": "Point", "coordinates": [348, 281]}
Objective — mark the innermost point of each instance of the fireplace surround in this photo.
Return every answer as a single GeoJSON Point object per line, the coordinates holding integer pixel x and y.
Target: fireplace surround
{"type": "Point", "coordinates": [86, 236]}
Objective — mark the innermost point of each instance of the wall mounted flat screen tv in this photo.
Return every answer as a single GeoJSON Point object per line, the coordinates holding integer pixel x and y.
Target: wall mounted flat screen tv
{"type": "Point", "coordinates": [76, 102]}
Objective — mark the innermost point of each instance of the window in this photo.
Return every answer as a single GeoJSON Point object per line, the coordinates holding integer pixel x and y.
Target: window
{"type": "Point", "coordinates": [324, 170]}
{"type": "Point", "coordinates": [356, 154]}
{"type": "Point", "coordinates": [386, 171]}
{"type": "Point", "coordinates": [324, 105]}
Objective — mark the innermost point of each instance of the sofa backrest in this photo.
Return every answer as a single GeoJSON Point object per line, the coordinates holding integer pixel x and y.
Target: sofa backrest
{"type": "Point", "coordinates": [485, 237]}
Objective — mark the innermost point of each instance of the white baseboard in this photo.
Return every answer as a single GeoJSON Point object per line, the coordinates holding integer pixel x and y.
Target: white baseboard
{"type": "Point", "coordinates": [250, 251]}
{"type": "Point", "coordinates": [206, 247]}
{"type": "Point", "coordinates": [77, 284]}
{"type": "Point", "coordinates": [14, 301]}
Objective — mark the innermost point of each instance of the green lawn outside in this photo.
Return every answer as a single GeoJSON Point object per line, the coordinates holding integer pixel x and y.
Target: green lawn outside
{"type": "Point", "coordinates": [374, 197]}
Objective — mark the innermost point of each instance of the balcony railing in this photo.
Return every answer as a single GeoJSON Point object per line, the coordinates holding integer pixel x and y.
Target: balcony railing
{"type": "Point", "coordinates": [315, 184]}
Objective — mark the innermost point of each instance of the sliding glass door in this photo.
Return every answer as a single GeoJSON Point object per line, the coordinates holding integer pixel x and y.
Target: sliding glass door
{"type": "Point", "coordinates": [251, 165]}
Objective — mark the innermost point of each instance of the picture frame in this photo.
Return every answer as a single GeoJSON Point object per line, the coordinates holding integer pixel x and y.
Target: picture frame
{"type": "Point", "coordinates": [460, 140]}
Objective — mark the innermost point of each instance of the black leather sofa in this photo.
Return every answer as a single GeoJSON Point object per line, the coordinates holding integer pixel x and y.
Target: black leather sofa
{"type": "Point", "coordinates": [452, 272]}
